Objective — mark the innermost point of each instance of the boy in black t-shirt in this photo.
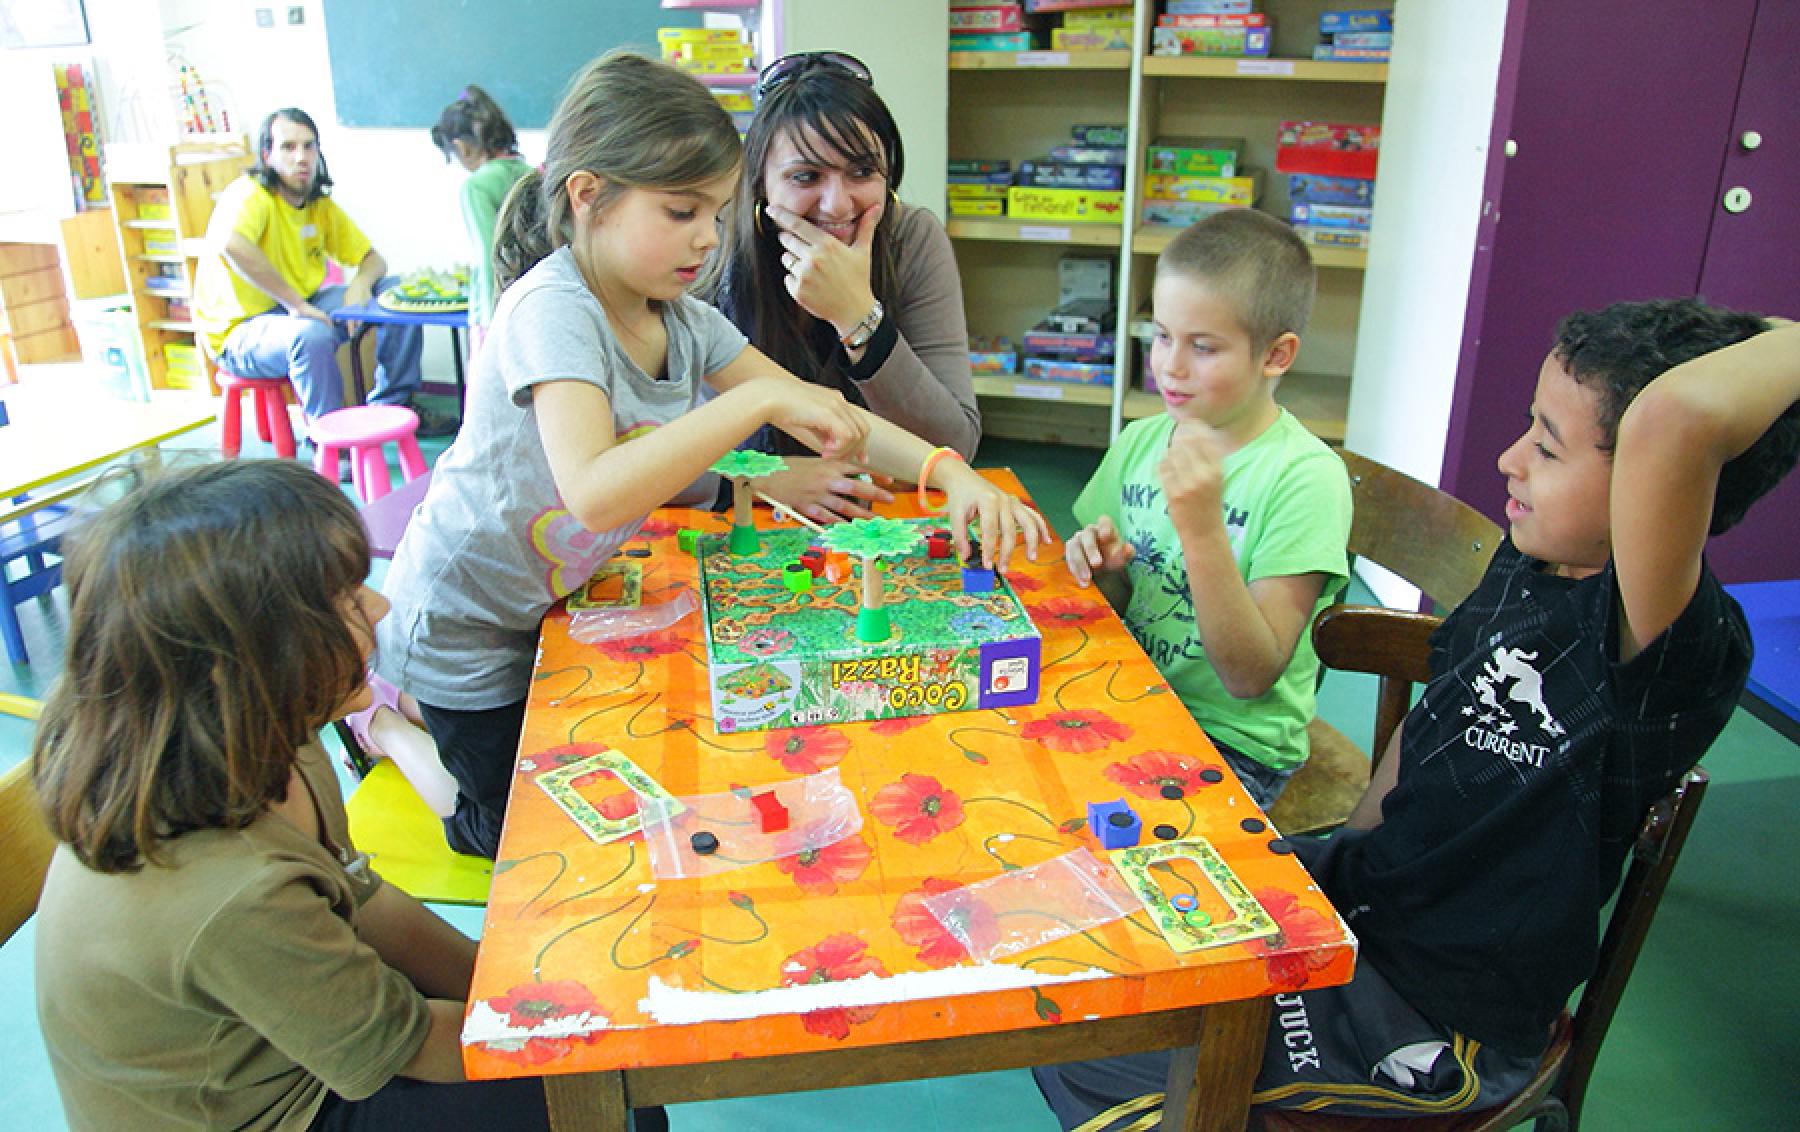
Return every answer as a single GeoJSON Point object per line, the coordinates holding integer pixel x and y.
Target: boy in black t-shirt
{"type": "Point", "coordinates": [1589, 671]}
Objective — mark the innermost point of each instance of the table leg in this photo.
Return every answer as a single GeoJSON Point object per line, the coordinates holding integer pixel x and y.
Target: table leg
{"type": "Point", "coordinates": [456, 355]}
{"type": "Point", "coordinates": [1212, 1093]}
{"type": "Point", "coordinates": [356, 366]}
{"type": "Point", "coordinates": [587, 1102]}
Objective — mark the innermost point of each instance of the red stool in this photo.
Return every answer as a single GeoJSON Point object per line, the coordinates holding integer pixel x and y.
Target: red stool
{"type": "Point", "coordinates": [270, 407]}
{"type": "Point", "coordinates": [362, 430]}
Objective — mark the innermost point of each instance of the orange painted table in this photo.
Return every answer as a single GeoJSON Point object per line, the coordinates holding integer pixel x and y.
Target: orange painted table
{"type": "Point", "coordinates": [621, 990]}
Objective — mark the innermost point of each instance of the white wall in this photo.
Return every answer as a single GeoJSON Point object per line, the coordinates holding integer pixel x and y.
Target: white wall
{"type": "Point", "coordinates": [1436, 121]}
{"type": "Point", "coordinates": [905, 43]}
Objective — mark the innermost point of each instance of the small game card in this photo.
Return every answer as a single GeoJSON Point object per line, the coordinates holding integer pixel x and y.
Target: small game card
{"type": "Point", "coordinates": [1227, 915]}
{"type": "Point", "coordinates": [616, 585]}
{"type": "Point", "coordinates": [559, 784]}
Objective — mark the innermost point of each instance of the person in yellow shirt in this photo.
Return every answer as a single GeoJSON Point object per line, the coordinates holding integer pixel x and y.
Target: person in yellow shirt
{"type": "Point", "coordinates": [261, 299]}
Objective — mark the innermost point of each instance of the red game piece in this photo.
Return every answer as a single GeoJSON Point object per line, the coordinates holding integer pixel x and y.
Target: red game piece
{"type": "Point", "coordinates": [771, 815]}
{"type": "Point", "coordinates": [814, 561]}
{"type": "Point", "coordinates": [936, 547]}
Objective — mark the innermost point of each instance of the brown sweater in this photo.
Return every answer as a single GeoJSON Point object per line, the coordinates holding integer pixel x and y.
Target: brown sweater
{"type": "Point", "coordinates": [226, 989]}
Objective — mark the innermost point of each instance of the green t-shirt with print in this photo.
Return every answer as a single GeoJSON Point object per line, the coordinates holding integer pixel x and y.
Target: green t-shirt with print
{"type": "Point", "coordinates": [1286, 499]}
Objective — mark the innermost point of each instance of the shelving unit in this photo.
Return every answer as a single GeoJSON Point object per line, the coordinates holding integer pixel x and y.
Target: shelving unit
{"type": "Point", "coordinates": [157, 210]}
{"type": "Point", "coordinates": [1017, 105]}
{"type": "Point", "coordinates": [760, 21]}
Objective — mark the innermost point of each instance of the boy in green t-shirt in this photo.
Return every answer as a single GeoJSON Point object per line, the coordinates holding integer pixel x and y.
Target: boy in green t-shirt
{"type": "Point", "coordinates": [1218, 528]}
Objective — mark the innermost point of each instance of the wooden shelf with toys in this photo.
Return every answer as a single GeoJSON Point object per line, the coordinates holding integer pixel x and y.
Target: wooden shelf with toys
{"type": "Point", "coordinates": [161, 216]}
{"type": "Point", "coordinates": [1016, 106]}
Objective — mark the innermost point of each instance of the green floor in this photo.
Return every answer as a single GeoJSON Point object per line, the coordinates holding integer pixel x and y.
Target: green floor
{"type": "Point", "coordinates": [1702, 1041]}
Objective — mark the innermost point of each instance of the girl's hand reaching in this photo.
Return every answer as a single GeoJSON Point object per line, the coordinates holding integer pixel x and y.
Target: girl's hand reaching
{"type": "Point", "coordinates": [1001, 518]}
{"type": "Point", "coordinates": [817, 417]}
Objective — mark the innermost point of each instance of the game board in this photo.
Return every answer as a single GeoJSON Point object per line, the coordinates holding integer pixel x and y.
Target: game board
{"type": "Point", "coordinates": [425, 291]}
{"type": "Point", "coordinates": [782, 659]}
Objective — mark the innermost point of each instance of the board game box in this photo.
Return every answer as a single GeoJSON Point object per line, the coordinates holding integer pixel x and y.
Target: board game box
{"type": "Point", "coordinates": [776, 658]}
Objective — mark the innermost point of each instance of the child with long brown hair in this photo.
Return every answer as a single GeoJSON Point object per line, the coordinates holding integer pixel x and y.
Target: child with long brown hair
{"type": "Point", "coordinates": [211, 951]}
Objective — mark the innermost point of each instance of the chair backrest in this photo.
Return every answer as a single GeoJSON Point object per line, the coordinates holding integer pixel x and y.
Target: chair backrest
{"type": "Point", "coordinates": [25, 846]}
{"type": "Point", "coordinates": [1435, 541]}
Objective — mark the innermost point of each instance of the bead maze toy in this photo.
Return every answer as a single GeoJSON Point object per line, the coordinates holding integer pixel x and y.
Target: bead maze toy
{"type": "Point", "coordinates": [857, 621]}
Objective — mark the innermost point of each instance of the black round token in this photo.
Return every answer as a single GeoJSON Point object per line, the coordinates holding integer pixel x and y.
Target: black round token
{"type": "Point", "coordinates": [1253, 825]}
{"type": "Point", "coordinates": [704, 843]}
{"type": "Point", "coordinates": [1211, 775]}
{"type": "Point", "coordinates": [1281, 846]}
{"type": "Point", "coordinates": [1166, 833]}
{"type": "Point", "coordinates": [637, 552]}
{"type": "Point", "coordinates": [1172, 792]}
{"type": "Point", "coordinates": [1119, 820]}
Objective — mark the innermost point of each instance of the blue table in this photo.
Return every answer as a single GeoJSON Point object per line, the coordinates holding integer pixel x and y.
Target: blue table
{"type": "Point", "coordinates": [372, 314]}
{"type": "Point", "coordinates": [1773, 691]}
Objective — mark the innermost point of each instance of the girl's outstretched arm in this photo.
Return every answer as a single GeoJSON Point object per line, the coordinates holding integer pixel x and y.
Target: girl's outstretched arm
{"type": "Point", "coordinates": [606, 484]}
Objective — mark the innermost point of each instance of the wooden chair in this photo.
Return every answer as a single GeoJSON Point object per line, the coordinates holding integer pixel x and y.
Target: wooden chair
{"type": "Point", "coordinates": [25, 846]}
{"type": "Point", "coordinates": [1437, 543]}
{"type": "Point", "coordinates": [1554, 1096]}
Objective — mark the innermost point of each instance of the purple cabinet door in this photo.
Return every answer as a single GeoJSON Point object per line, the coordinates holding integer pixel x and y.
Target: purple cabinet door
{"type": "Point", "coordinates": [1753, 256]}
{"type": "Point", "coordinates": [1621, 112]}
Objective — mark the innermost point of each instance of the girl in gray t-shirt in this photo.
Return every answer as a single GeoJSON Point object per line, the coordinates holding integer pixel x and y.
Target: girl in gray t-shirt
{"type": "Point", "coordinates": [586, 412]}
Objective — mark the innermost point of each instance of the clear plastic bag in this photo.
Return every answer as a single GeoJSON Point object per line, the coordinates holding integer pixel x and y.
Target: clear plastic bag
{"type": "Point", "coordinates": [1026, 908]}
{"type": "Point", "coordinates": [591, 626]}
{"type": "Point", "coordinates": [820, 810]}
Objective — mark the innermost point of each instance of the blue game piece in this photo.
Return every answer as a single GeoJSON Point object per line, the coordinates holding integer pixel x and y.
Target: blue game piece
{"type": "Point", "coordinates": [975, 580]}
{"type": "Point", "coordinates": [1114, 824]}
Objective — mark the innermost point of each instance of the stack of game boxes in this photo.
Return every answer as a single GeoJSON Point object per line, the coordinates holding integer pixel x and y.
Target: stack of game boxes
{"type": "Point", "coordinates": [988, 25]}
{"type": "Point", "coordinates": [1082, 181]}
{"type": "Point", "coordinates": [1088, 25]}
{"type": "Point", "coordinates": [1331, 180]}
{"type": "Point", "coordinates": [706, 51]}
{"type": "Point", "coordinates": [1074, 343]}
{"type": "Point", "coordinates": [978, 187]}
{"type": "Point", "coordinates": [1188, 178]}
{"type": "Point", "coordinates": [1210, 27]}
{"type": "Point", "coordinates": [713, 51]}
{"type": "Point", "coordinates": [1363, 35]}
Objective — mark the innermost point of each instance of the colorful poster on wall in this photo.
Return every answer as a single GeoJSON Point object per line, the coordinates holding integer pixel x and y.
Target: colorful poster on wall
{"type": "Point", "coordinates": [77, 98]}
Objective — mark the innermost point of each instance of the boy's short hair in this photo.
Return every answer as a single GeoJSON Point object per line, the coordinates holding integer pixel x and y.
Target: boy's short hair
{"type": "Point", "coordinates": [1617, 350]}
{"type": "Point", "coordinates": [1255, 262]}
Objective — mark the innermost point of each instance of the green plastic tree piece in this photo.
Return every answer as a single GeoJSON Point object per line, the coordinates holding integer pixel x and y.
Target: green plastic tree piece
{"type": "Point", "coordinates": [872, 538]}
{"type": "Point", "coordinates": [747, 464]}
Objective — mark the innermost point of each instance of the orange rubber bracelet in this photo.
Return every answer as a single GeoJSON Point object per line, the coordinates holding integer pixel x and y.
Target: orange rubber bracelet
{"type": "Point", "coordinates": [931, 462]}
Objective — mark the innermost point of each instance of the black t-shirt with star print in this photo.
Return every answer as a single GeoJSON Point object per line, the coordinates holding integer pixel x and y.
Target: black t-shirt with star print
{"type": "Point", "coordinates": [1526, 770]}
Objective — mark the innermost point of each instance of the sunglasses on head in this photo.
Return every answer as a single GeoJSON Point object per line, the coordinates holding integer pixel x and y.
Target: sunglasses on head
{"type": "Point", "coordinates": [791, 66]}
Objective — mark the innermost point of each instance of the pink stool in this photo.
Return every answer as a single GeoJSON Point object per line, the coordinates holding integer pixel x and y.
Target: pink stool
{"type": "Point", "coordinates": [270, 407]}
{"type": "Point", "coordinates": [363, 429]}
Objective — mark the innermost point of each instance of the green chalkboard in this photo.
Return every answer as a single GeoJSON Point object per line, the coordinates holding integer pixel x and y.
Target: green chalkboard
{"type": "Point", "coordinates": [397, 63]}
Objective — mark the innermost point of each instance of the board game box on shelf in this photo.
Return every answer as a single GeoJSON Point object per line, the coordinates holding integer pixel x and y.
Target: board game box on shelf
{"type": "Point", "coordinates": [780, 656]}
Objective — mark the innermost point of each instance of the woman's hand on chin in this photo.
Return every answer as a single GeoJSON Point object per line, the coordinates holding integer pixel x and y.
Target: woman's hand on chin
{"type": "Point", "coordinates": [826, 276]}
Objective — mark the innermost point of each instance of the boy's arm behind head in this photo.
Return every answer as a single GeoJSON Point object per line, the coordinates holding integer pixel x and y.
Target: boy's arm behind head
{"type": "Point", "coordinates": [1708, 437]}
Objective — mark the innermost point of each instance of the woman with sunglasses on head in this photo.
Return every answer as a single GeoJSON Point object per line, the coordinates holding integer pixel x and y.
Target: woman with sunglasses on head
{"type": "Point", "coordinates": [827, 273]}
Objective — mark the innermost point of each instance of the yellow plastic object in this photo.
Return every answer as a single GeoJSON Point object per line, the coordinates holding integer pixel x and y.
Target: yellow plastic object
{"type": "Point", "coordinates": [405, 842]}
{"type": "Point", "coordinates": [22, 706]}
